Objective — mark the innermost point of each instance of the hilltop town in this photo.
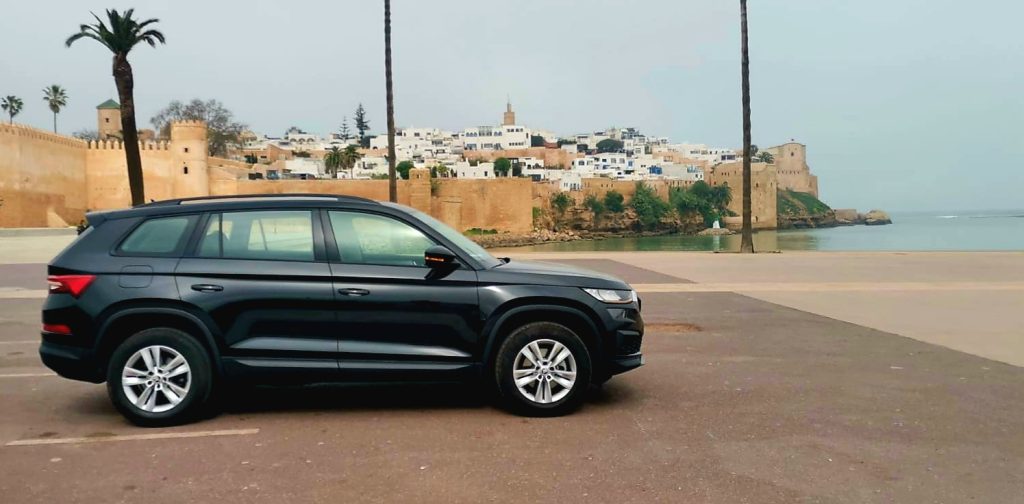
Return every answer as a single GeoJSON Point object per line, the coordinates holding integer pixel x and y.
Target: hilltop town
{"type": "Point", "coordinates": [506, 178]}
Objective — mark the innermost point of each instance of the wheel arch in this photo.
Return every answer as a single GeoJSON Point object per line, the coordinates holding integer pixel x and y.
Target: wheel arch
{"type": "Point", "coordinates": [124, 321]}
{"type": "Point", "coordinates": [576, 318]}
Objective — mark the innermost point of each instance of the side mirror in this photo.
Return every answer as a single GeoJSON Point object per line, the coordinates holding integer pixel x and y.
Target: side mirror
{"type": "Point", "coordinates": [437, 256]}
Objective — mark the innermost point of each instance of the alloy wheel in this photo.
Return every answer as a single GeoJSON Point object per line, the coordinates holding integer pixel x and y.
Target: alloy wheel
{"type": "Point", "coordinates": [156, 378]}
{"type": "Point", "coordinates": [544, 371]}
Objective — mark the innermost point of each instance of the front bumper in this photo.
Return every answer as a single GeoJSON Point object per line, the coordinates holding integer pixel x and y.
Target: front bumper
{"type": "Point", "coordinates": [76, 363]}
{"type": "Point", "coordinates": [621, 364]}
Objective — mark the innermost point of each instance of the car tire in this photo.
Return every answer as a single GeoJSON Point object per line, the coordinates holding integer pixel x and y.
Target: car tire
{"type": "Point", "coordinates": [535, 377]}
{"type": "Point", "coordinates": [160, 377]}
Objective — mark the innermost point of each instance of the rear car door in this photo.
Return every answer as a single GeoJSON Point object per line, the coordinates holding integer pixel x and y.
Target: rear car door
{"type": "Point", "coordinates": [263, 279]}
{"type": "Point", "coordinates": [396, 317]}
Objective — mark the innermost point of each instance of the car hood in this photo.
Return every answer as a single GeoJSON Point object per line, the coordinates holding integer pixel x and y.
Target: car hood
{"type": "Point", "coordinates": [546, 273]}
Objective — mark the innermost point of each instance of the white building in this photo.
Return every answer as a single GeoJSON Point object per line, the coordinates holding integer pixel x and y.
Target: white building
{"type": "Point", "coordinates": [368, 166]}
{"type": "Point", "coordinates": [420, 143]}
{"type": "Point", "coordinates": [305, 166]}
{"type": "Point", "coordinates": [508, 136]}
{"type": "Point", "coordinates": [463, 169]}
{"type": "Point", "coordinates": [700, 152]}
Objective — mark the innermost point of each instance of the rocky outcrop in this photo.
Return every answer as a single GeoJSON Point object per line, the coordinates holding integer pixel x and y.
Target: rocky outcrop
{"type": "Point", "coordinates": [716, 232]}
{"type": "Point", "coordinates": [877, 218]}
{"type": "Point", "coordinates": [580, 224]}
{"type": "Point", "coordinates": [538, 237]}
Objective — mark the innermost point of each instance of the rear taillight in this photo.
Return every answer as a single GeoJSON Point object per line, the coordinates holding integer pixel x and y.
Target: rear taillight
{"type": "Point", "coordinates": [57, 329]}
{"type": "Point", "coordinates": [69, 284]}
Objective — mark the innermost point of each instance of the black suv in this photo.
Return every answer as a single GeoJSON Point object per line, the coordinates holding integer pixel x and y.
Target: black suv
{"type": "Point", "coordinates": [170, 300]}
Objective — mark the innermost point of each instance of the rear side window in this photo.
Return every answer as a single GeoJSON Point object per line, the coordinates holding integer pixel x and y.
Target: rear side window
{"type": "Point", "coordinates": [164, 236]}
{"type": "Point", "coordinates": [283, 235]}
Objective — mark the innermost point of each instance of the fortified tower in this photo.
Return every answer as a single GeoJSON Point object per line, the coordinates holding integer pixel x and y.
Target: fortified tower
{"type": "Point", "coordinates": [189, 152]}
{"type": "Point", "coordinates": [794, 173]}
{"type": "Point", "coordinates": [108, 120]}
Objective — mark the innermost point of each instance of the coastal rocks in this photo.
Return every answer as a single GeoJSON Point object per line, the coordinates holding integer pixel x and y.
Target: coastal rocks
{"type": "Point", "coordinates": [877, 218]}
{"type": "Point", "coordinates": [539, 236]}
{"type": "Point", "coordinates": [806, 221]}
{"type": "Point", "coordinates": [716, 232]}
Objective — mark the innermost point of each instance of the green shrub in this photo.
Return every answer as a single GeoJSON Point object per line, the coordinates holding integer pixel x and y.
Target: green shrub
{"type": "Point", "coordinates": [648, 206]}
{"type": "Point", "coordinates": [478, 232]}
{"type": "Point", "coordinates": [402, 169]}
{"type": "Point", "coordinates": [595, 205]}
{"type": "Point", "coordinates": [614, 202]}
{"type": "Point", "coordinates": [710, 202]}
{"type": "Point", "coordinates": [561, 202]}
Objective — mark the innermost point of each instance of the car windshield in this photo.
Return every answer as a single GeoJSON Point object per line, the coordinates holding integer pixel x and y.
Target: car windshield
{"type": "Point", "coordinates": [468, 246]}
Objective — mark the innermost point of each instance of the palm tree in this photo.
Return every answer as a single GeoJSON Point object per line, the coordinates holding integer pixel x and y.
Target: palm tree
{"type": "Point", "coordinates": [56, 98]}
{"type": "Point", "coordinates": [392, 181]}
{"type": "Point", "coordinates": [765, 157]}
{"type": "Point", "coordinates": [12, 105]}
{"type": "Point", "coordinates": [333, 161]}
{"type": "Point", "coordinates": [747, 237]}
{"type": "Point", "coordinates": [349, 157]}
{"type": "Point", "coordinates": [121, 33]}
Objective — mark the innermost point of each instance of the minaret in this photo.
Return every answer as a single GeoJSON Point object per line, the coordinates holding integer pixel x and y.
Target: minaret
{"type": "Point", "coordinates": [510, 117]}
{"type": "Point", "coordinates": [108, 120]}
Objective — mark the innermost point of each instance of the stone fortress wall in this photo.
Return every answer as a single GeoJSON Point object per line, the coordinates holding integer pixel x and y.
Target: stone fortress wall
{"type": "Point", "coordinates": [49, 180]}
{"type": "Point", "coordinates": [792, 169]}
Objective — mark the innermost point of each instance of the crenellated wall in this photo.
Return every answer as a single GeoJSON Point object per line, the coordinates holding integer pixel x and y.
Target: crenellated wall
{"type": "Point", "coordinates": [52, 180]}
{"type": "Point", "coordinates": [42, 178]}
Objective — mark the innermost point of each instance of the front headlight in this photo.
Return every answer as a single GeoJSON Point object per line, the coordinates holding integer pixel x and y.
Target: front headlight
{"type": "Point", "coordinates": [612, 296]}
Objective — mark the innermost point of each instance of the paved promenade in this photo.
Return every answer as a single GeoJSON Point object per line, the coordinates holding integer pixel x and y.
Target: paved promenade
{"type": "Point", "coordinates": [769, 378]}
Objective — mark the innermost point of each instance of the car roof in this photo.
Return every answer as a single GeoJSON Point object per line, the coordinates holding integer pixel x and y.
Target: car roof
{"type": "Point", "coordinates": [234, 202]}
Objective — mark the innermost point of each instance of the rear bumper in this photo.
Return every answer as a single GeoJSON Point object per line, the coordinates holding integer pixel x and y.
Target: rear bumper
{"type": "Point", "coordinates": [623, 363]}
{"type": "Point", "coordinates": [71, 362]}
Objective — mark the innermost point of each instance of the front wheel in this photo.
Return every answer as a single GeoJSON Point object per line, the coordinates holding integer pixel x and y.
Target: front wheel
{"type": "Point", "coordinates": [543, 369]}
{"type": "Point", "coordinates": [159, 377]}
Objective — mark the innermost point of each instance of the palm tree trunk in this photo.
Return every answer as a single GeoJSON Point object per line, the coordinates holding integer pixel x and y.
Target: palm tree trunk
{"type": "Point", "coordinates": [747, 237]}
{"type": "Point", "coordinates": [392, 181]}
{"type": "Point", "coordinates": [129, 133]}
{"type": "Point", "coordinates": [54, 122]}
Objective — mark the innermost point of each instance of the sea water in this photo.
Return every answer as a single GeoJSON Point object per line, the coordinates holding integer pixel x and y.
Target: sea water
{"type": "Point", "coordinates": [910, 231]}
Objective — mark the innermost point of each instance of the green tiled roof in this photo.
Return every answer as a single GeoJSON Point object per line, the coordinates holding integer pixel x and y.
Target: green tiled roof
{"type": "Point", "coordinates": [109, 104]}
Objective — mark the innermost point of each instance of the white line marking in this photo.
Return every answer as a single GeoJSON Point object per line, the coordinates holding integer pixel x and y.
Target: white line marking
{"type": "Point", "coordinates": [132, 437]}
{"type": "Point", "coordinates": [25, 342]}
{"type": "Point", "coordinates": [26, 375]}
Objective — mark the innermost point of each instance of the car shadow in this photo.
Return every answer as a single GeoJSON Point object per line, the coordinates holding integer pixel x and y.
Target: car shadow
{"type": "Point", "coordinates": [382, 397]}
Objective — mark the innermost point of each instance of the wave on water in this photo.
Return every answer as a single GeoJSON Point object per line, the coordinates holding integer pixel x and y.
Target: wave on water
{"type": "Point", "coordinates": [946, 216]}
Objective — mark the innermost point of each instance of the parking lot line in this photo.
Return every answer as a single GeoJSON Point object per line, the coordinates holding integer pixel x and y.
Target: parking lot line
{"type": "Point", "coordinates": [26, 375]}
{"type": "Point", "coordinates": [133, 437]}
{"type": "Point", "coordinates": [23, 342]}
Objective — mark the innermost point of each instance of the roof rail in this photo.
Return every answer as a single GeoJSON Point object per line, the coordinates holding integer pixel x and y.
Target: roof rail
{"type": "Point", "coordinates": [255, 197]}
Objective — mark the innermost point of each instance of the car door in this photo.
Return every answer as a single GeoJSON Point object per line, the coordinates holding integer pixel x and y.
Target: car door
{"type": "Point", "coordinates": [396, 317]}
{"type": "Point", "coordinates": [262, 278]}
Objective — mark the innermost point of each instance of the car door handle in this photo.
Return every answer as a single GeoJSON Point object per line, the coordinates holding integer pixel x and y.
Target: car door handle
{"type": "Point", "coordinates": [353, 292]}
{"type": "Point", "coordinates": [207, 288]}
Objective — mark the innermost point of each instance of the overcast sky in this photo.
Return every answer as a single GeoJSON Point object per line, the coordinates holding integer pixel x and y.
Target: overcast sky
{"type": "Point", "coordinates": [904, 105]}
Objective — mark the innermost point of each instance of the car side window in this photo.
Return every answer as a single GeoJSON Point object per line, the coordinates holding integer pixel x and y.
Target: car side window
{"type": "Point", "coordinates": [364, 238]}
{"type": "Point", "coordinates": [278, 235]}
{"type": "Point", "coordinates": [163, 236]}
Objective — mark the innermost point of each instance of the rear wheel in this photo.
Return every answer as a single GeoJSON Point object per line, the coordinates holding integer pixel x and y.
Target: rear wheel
{"type": "Point", "coordinates": [543, 369]}
{"type": "Point", "coordinates": [159, 377]}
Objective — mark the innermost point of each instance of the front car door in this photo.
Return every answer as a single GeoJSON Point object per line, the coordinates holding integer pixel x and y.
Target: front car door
{"type": "Point", "coordinates": [263, 278]}
{"type": "Point", "coordinates": [396, 317]}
